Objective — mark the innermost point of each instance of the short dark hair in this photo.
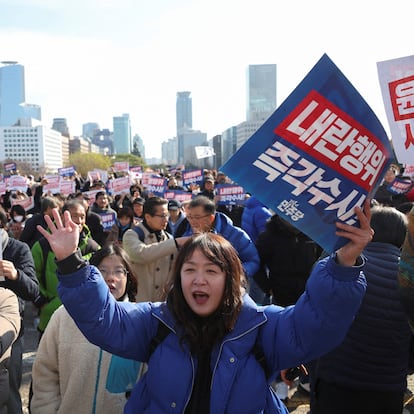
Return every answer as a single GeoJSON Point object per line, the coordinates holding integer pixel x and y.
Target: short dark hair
{"type": "Point", "coordinates": [17, 208]}
{"type": "Point", "coordinates": [100, 193]}
{"type": "Point", "coordinates": [389, 225]}
{"type": "Point", "coordinates": [49, 202]}
{"type": "Point", "coordinates": [73, 203]}
{"type": "Point", "coordinates": [125, 212]}
{"type": "Point", "coordinates": [208, 205]}
{"type": "Point", "coordinates": [152, 203]}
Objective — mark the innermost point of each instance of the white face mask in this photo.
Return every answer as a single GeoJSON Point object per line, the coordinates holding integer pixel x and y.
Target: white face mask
{"type": "Point", "coordinates": [18, 219]}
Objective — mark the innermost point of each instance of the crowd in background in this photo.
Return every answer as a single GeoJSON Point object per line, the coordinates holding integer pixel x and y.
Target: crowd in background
{"type": "Point", "coordinates": [136, 258]}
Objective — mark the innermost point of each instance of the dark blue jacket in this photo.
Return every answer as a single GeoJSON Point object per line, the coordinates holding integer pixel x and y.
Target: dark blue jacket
{"type": "Point", "coordinates": [239, 239]}
{"type": "Point", "coordinates": [374, 354]}
{"type": "Point", "coordinates": [287, 336]}
{"type": "Point", "coordinates": [254, 217]}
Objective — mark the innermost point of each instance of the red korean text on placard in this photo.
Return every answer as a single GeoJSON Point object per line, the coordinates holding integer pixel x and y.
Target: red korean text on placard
{"type": "Point", "coordinates": [402, 102]}
{"type": "Point", "coordinates": [330, 135]}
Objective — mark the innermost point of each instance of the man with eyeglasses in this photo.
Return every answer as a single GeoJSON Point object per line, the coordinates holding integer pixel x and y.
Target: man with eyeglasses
{"type": "Point", "coordinates": [203, 217]}
{"type": "Point", "coordinates": [152, 250]}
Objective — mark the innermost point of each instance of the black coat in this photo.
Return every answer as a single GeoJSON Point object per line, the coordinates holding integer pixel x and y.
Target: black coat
{"type": "Point", "coordinates": [26, 286]}
{"type": "Point", "coordinates": [289, 256]}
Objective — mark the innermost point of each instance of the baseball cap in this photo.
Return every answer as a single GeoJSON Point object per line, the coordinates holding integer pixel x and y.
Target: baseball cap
{"type": "Point", "coordinates": [138, 200]}
{"type": "Point", "coordinates": [174, 205]}
{"type": "Point", "coordinates": [209, 178]}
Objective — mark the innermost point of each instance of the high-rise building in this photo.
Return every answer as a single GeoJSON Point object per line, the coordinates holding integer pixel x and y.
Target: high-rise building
{"type": "Point", "coordinates": [122, 134]}
{"type": "Point", "coordinates": [138, 143]}
{"type": "Point", "coordinates": [261, 92]}
{"type": "Point", "coordinates": [13, 104]}
{"type": "Point", "coordinates": [169, 151]}
{"type": "Point", "coordinates": [38, 145]}
{"type": "Point", "coordinates": [61, 125]}
{"type": "Point", "coordinates": [89, 129]}
{"type": "Point", "coordinates": [184, 111]}
{"type": "Point", "coordinates": [245, 130]}
{"type": "Point", "coordinates": [187, 140]}
{"type": "Point", "coordinates": [217, 144]}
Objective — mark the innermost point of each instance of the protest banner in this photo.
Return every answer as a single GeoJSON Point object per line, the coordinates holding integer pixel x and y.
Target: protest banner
{"type": "Point", "coordinates": [67, 187]}
{"type": "Point", "coordinates": [400, 185]}
{"type": "Point", "coordinates": [121, 166]}
{"type": "Point", "coordinates": [204, 152]}
{"type": "Point", "coordinates": [9, 166]}
{"type": "Point", "coordinates": [16, 183]}
{"type": "Point", "coordinates": [320, 154]}
{"type": "Point", "coordinates": [108, 220]}
{"type": "Point", "coordinates": [230, 194]}
{"type": "Point", "coordinates": [192, 177]}
{"type": "Point", "coordinates": [52, 184]}
{"type": "Point", "coordinates": [396, 78]}
{"type": "Point", "coordinates": [67, 171]}
{"type": "Point", "coordinates": [156, 186]}
{"type": "Point", "coordinates": [178, 195]}
{"type": "Point", "coordinates": [27, 203]}
{"type": "Point", "coordinates": [119, 185]}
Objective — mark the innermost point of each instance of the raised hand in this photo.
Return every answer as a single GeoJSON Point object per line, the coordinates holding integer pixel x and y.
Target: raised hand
{"type": "Point", "coordinates": [358, 237]}
{"type": "Point", "coordinates": [63, 238]}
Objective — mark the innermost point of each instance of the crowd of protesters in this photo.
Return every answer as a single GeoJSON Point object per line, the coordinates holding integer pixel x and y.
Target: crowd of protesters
{"type": "Point", "coordinates": [144, 257]}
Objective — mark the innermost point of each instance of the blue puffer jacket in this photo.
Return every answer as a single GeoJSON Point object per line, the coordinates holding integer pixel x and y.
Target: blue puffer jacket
{"type": "Point", "coordinates": [374, 354]}
{"type": "Point", "coordinates": [239, 239]}
{"type": "Point", "coordinates": [288, 336]}
{"type": "Point", "coordinates": [254, 217]}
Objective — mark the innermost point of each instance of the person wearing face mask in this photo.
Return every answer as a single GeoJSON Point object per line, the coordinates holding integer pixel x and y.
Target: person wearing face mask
{"type": "Point", "coordinates": [17, 221]}
{"type": "Point", "coordinates": [72, 375]}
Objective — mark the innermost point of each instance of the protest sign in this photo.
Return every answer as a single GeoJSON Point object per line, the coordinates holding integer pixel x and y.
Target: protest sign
{"type": "Point", "coordinates": [108, 220]}
{"type": "Point", "coordinates": [192, 177]}
{"type": "Point", "coordinates": [67, 171]}
{"type": "Point", "coordinates": [230, 194]}
{"type": "Point", "coordinates": [178, 195]}
{"type": "Point", "coordinates": [320, 154]}
{"type": "Point", "coordinates": [156, 186]}
{"type": "Point", "coordinates": [27, 203]}
{"type": "Point", "coordinates": [204, 152]}
{"type": "Point", "coordinates": [396, 78]}
{"type": "Point", "coordinates": [119, 185]}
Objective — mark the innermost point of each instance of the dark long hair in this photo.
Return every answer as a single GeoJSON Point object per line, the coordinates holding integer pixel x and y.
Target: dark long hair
{"type": "Point", "coordinates": [116, 250]}
{"type": "Point", "coordinates": [201, 333]}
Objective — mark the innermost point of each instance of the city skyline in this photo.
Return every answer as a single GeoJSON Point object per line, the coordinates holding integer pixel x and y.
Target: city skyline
{"type": "Point", "coordinates": [92, 60]}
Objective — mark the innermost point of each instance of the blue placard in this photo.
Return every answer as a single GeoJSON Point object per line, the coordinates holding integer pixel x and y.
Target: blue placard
{"type": "Point", "coordinates": [320, 154]}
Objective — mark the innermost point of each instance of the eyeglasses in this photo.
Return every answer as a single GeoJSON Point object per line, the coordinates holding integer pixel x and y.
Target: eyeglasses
{"type": "Point", "coordinates": [163, 216]}
{"type": "Point", "coordinates": [119, 273]}
{"type": "Point", "coordinates": [190, 217]}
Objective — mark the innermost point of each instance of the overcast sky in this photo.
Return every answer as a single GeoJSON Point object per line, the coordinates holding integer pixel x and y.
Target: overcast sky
{"type": "Point", "coordinates": [90, 60]}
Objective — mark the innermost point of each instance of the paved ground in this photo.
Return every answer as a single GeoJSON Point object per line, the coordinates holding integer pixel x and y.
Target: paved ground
{"type": "Point", "coordinates": [298, 403]}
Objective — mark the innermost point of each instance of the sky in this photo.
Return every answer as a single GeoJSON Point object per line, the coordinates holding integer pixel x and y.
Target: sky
{"type": "Point", "coordinates": [91, 60]}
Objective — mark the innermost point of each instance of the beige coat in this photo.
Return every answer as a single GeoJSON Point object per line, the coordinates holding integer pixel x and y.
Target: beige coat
{"type": "Point", "coordinates": [9, 329]}
{"type": "Point", "coordinates": [70, 374]}
{"type": "Point", "coordinates": [9, 319]}
{"type": "Point", "coordinates": [152, 262]}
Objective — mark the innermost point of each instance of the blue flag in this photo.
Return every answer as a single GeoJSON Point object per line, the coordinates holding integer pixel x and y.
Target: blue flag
{"type": "Point", "coordinates": [320, 154]}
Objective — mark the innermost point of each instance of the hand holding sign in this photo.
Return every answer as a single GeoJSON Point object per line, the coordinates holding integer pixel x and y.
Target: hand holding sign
{"type": "Point", "coordinates": [358, 237]}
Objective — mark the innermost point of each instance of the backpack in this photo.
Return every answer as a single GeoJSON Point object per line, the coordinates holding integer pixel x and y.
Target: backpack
{"type": "Point", "coordinates": [140, 232]}
{"type": "Point", "coordinates": [163, 331]}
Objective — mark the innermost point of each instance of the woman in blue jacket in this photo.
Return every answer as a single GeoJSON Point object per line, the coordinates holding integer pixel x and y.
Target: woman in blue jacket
{"type": "Point", "coordinates": [207, 363]}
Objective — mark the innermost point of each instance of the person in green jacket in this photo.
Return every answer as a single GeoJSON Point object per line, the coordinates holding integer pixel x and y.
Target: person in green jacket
{"type": "Point", "coordinates": [48, 300]}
